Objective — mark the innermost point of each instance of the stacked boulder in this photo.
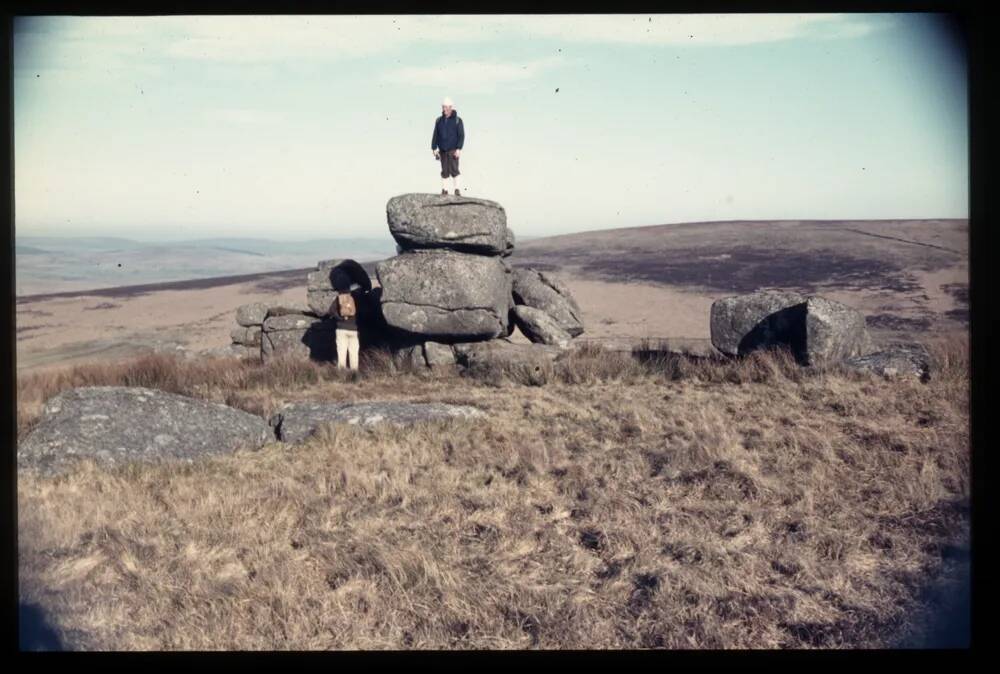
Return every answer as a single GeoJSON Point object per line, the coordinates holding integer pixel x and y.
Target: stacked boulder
{"type": "Point", "coordinates": [451, 284]}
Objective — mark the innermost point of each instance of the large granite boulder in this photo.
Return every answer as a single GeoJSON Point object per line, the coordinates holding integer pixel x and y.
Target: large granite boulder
{"type": "Point", "coordinates": [895, 361]}
{"type": "Point", "coordinates": [298, 335]}
{"type": "Point", "coordinates": [253, 313]}
{"type": "Point", "coordinates": [816, 329]}
{"type": "Point", "coordinates": [459, 223]}
{"type": "Point", "coordinates": [117, 424]}
{"type": "Point", "coordinates": [539, 327]}
{"type": "Point", "coordinates": [444, 295]}
{"type": "Point", "coordinates": [541, 291]}
{"type": "Point", "coordinates": [298, 421]}
{"type": "Point", "coordinates": [766, 318]}
{"type": "Point", "coordinates": [834, 331]}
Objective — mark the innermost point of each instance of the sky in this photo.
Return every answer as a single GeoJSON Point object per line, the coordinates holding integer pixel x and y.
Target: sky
{"type": "Point", "coordinates": [295, 127]}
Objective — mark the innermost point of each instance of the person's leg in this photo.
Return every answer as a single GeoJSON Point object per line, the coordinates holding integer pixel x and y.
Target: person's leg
{"type": "Point", "coordinates": [444, 172]}
{"type": "Point", "coordinates": [456, 174]}
{"type": "Point", "coordinates": [341, 337]}
{"type": "Point", "coordinates": [354, 347]}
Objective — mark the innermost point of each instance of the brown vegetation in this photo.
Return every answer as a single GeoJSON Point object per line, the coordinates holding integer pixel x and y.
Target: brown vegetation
{"type": "Point", "coordinates": [620, 502]}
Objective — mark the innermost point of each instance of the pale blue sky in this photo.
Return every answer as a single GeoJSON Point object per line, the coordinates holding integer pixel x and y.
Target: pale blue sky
{"type": "Point", "coordinates": [299, 127]}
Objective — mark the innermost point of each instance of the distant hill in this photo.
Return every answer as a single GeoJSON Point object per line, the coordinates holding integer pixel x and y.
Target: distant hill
{"type": "Point", "coordinates": [741, 256]}
{"type": "Point", "coordinates": [83, 263]}
{"type": "Point", "coordinates": [29, 250]}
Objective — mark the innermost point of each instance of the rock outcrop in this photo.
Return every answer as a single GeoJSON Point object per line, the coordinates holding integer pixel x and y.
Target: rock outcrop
{"type": "Point", "coordinates": [296, 422]}
{"type": "Point", "coordinates": [451, 283]}
{"type": "Point", "coordinates": [461, 224]}
{"type": "Point", "coordinates": [116, 424]}
{"type": "Point", "coordinates": [543, 292]}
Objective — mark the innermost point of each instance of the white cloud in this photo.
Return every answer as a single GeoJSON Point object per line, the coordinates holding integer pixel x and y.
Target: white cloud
{"type": "Point", "coordinates": [471, 76]}
{"type": "Point", "coordinates": [693, 29]}
{"type": "Point", "coordinates": [259, 39]}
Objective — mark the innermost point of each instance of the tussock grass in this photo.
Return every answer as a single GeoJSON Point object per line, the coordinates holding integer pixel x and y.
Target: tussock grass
{"type": "Point", "coordinates": [625, 503]}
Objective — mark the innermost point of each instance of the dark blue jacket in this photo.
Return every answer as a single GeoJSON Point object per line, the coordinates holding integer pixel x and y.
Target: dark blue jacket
{"type": "Point", "coordinates": [448, 133]}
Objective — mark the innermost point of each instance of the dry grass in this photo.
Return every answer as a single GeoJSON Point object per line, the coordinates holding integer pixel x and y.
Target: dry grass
{"type": "Point", "coordinates": [625, 503]}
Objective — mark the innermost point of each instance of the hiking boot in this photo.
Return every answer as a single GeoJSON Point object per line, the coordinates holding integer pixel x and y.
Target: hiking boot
{"type": "Point", "coordinates": [458, 193]}
{"type": "Point", "coordinates": [444, 193]}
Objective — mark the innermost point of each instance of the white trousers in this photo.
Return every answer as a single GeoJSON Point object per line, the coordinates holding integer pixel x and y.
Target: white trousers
{"type": "Point", "coordinates": [347, 348]}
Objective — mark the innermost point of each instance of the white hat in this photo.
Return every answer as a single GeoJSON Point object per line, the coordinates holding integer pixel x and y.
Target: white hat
{"type": "Point", "coordinates": [447, 101]}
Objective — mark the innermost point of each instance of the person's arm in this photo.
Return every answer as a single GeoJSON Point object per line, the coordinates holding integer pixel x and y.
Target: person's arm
{"type": "Point", "coordinates": [434, 138]}
{"type": "Point", "coordinates": [461, 133]}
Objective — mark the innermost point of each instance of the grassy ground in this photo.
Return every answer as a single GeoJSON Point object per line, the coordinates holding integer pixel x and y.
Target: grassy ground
{"type": "Point", "coordinates": [620, 504]}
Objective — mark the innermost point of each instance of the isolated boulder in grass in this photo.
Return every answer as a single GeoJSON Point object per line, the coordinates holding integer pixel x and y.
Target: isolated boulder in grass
{"type": "Point", "coordinates": [546, 293]}
{"type": "Point", "coordinates": [766, 318]}
{"type": "Point", "coordinates": [816, 329]}
{"type": "Point", "coordinates": [251, 314]}
{"type": "Point", "coordinates": [834, 331]}
{"type": "Point", "coordinates": [540, 328]}
{"type": "Point", "coordinates": [460, 223]}
{"type": "Point", "coordinates": [118, 424]}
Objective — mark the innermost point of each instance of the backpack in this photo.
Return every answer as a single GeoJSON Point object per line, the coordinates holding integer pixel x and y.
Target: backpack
{"type": "Point", "coordinates": [345, 306]}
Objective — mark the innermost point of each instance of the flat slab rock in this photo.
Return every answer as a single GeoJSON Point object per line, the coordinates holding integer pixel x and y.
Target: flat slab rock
{"type": "Point", "coordinates": [459, 223]}
{"type": "Point", "coordinates": [118, 424]}
{"type": "Point", "coordinates": [297, 421]}
{"type": "Point", "coordinates": [894, 361]}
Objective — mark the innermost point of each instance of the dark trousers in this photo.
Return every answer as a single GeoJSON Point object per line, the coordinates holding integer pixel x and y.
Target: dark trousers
{"type": "Point", "coordinates": [449, 164]}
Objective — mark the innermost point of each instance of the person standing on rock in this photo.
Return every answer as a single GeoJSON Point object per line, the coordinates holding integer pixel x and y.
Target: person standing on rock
{"type": "Point", "coordinates": [446, 144]}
